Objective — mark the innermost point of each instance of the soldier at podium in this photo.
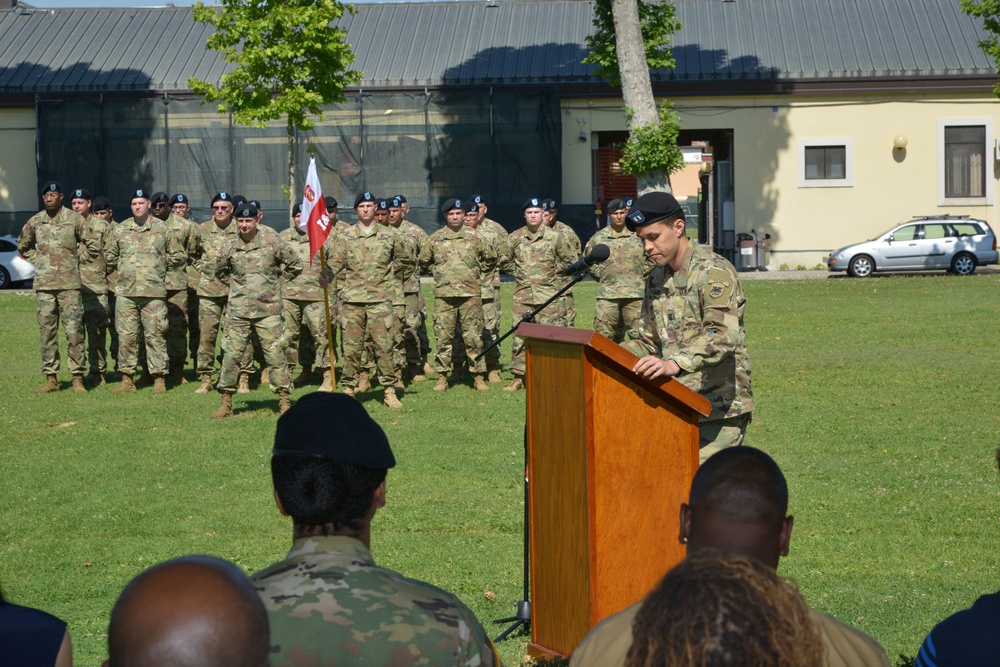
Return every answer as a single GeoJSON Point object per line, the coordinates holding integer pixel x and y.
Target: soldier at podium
{"type": "Point", "coordinates": [692, 321]}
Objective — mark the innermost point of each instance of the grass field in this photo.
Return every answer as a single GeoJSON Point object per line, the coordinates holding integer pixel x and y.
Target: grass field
{"type": "Point", "coordinates": [877, 397]}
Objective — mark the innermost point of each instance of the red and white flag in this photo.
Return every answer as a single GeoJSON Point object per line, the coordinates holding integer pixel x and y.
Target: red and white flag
{"type": "Point", "coordinates": [315, 221]}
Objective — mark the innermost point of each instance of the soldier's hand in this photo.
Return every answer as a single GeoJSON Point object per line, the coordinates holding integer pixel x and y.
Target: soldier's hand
{"type": "Point", "coordinates": [324, 280]}
{"type": "Point", "coordinates": [651, 367]}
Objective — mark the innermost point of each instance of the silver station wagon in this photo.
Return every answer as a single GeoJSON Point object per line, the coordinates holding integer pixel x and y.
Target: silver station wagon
{"type": "Point", "coordinates": [934, 242]}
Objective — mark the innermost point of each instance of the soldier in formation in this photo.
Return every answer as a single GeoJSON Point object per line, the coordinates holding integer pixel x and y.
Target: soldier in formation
{"type": "Point", "coordinates": [94, 288]}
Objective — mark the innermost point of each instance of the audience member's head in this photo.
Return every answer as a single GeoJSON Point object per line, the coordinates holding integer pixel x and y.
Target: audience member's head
{"type": "Point", "coordinates": [197, 611]}
{"type": "Point", "coordinates": [722, 610]}
{"type": "Point", "coordinates": [738, 503]}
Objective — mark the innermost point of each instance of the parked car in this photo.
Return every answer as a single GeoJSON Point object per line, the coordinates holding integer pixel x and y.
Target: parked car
{"type": "Point", "coordinates": [953, 243]}
{"type": "Point", "coordinates": [14, 269]}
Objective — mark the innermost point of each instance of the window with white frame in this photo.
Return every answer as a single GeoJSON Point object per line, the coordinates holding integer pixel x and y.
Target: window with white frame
{"type": "Point", "coordinates": [965, 160]}
{"type": "Point", "coordinates": [826, 162]}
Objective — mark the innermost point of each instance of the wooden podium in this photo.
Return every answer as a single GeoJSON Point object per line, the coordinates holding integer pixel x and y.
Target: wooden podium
{"type": "Point", "coordinates": [610, 459]}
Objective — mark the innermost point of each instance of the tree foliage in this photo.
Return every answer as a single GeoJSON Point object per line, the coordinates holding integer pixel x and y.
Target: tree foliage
{"type": "Point", "coordinates": [653, 147]}
{"type": "Point", "coordinates": [989, 12]}
{"type": "Point", "coordinates": [658, 22]}
{"type": "Point", "coordinates": [289, 60]}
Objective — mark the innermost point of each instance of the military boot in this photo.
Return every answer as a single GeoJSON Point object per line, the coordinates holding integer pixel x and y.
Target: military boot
{"type": "Point", "coordinates": [284, 402]}
{"type": "Point", "coordinates": [481, 384]}
{"type": "Point", "coordinates": [159, 385]}
{"type": "Point", "coordinates": [206, 384]}
{"type": "Point", "coordinates": [348, 391]}
{"type": "Point", "coordinates": [416, 373]}
{"type": "Point", "coordinates": [399, 380]}
{"type": "Point", "coordinates": [517, 384]}
{"type": "Point", "coordinates": [327, 381]}
{"type": "Point", "coordinates": [225, 408]}
{"type": "Point", "coordinates": [51, 384]}
{"type": "Point", "coordinates": [78, 387]}
{"type": "Point", "coordinates": [177, 374]}
{"type": "Point", "coordinates": [495, 376]}
{"type": "Point", "coordinates": [442, 383]}
{"type": "Point", "coordinates": [305, 377]}
{"type": "Point", "coordinates": [96, 379]}
{"type": "Point", "coordinates": [390, 399]}
{"type": "Point", "coordinates": [126, 386]}
{"type": "Point", "coordinates": [364, 382]}
{"type": "Point", "coordinates": [428, 369]}
{"type": "Point", "coordinates": [244, 387]}
{"type": "Point", "coordinates": [265, 375]}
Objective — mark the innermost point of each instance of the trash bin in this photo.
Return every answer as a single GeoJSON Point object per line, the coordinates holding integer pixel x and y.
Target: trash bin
{"type": "Point", "coordinates": [763, 252]}
{"type": "Point", "coordinates": [748, 252]}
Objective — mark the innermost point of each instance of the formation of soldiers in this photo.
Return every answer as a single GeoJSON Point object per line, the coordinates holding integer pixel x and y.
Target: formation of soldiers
{"type": "Point", "coordinates": [162, 285]}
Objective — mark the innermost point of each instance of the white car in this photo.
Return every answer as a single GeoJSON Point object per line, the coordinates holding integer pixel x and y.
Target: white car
{"type": "Point", "coordinates": [14, 269]}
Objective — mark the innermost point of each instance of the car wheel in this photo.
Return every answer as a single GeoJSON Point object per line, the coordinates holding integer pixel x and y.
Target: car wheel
{"type": "Point", "coordinates": [4, 278]}
{"type": "Point", "coordinates": [964, 264]}
{"type": "Point", "coordinates": [861, 266]}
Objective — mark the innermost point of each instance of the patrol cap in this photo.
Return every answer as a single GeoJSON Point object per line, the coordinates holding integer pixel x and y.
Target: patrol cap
{"type": "Point", "coordinates": [470, 206]}
{"type": "Point", "coordinates": [381, 205]}
{"type": "Point", "coordinates": [81, 193]}
{"type": "Point", "coordinates": [332, 426]}
{"type": "Point", "coordinates": [330, 202]}
{"type": "Point", "coordinates": [617, 205]}
{"type": "Point", "coordinates": [247, 211]}
{"type": "Point", "coordinates": [158, 198]}
{"type": "Point", "coordinates": [223, 196]}
{"type": "Point", "coordinates": [396, 202]}
{"type": "Point", "coordinates": [653, 207]}
{"type": "Point", "coordinates": [138, 193]}
{"type": "Point", "coordinates": [296, 209]}
{"type": "Point", "coordinates": [453, 204]}
{"type": "Point", "coordinates": [51, 186]}
{"type": "Point", "coordinates": [364, 196]}
{"type": "Point", "coordinates": [101, 203]}
{"type": "Point", "coordinates": [534, 202]}
{"type": "Point", "coordinates": [179, 199]}
{"type": "Point", "coordinates": [401, 198]}
{"type": "Point", "coordinates": [549, 204]}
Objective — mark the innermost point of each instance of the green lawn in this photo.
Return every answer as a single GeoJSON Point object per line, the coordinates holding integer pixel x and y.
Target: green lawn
{"type": "Point", "coordinates": [877, 397]}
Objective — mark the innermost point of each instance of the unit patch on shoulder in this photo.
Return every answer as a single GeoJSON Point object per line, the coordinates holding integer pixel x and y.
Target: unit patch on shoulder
{"type": "Point", "coordinates": [719, 289]}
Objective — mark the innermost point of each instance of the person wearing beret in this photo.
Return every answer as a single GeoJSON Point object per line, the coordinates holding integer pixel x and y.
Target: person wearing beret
{"type": "Point", "coordinates": [413, 348]}
{"type": "Point", "coordinates": [180, 206]}
{"type": "Point", "coordinates": [94, 288]}
{"type": "Point", "coordinates": [144, 250]}
{"type": "Point", "coordinates": [692, 321]}
{"type": "Point", "coordinates": [328, 602]}
{"type": "Point", "coordinates": [492, 310]}
{"type": "Point", "coordinates": [102, 209]}
{"type": "Point", "coordinates": [550, 211]}
{"type": "Point", "coordinates": [51, 240]}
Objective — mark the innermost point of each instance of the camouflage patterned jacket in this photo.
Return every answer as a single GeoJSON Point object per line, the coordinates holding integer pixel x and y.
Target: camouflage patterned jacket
{"type": "Point", "coordinates": [186, 232]}
{"type": "Point", "coordinates": [535, 260]}
{"type": "Point", "coordinates": [329, 604]}
{"type": "Point", "coordinates": [94, 270]}
{"type": "Point", "coordinates": [253, 271]}
{"type": "Point", "coordinates": [623, 274]}
{"type": "Point", "coordinates": [305, 286]}
{"type": "Point", "coordinates": [571, 236]}
{"type": "Point", "coordinates": [364, 265]}
{"type": "Point", "coordinates": [52, 245]}
{"type": "Point", "coordinates": [143, 254]}
{"type": "Point", "coordinates": [498, 229]}
{"type": "Point", "coordinates": [206, 247]}
{"type": "Point", "coordinates": [458, 260]}
{"type": "Point", "coordinates": [695, 318]}
{"type": "Point", "coordinates": [416, 237]}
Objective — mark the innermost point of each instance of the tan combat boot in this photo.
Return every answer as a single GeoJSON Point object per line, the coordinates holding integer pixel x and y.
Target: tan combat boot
{"type": "Point", "coordinates": [364, 382]}
{"type": "Point", "coordinates": [284, 402]}
{"type": "Point", "coordinates": [481, 384]}
{"type": "Point", "coordinates": [442, 383]}
{"type": "Point", "coordinates": [495, 376]}
{"type": "Point", "coordinates": [390, 399]}
{"type": "Point", "coordinates": [159, 385]}
{"type": "Point", "coordinates": [416, 373]}
{"type": "Point", "coordinates": [265, 375]}
{"type": "Point", "coordinates": [327, 381]}
{"type": "Point", "coordinates": [348, 391]}
{"type": "Point", "coordinates": [305, 377]}
{"type": "Point", "coordinates": [399, 380]}
{"type": "Point", "coordinates": [427, 368]}
{"type": "Point", "coordinates": [96, 379]}
{"type": "Point", "coordinates": [206, 384]}
{"type": "Point", "coordinates": [78, 387]}
{"type": "Point", "coordinates": [244, 387]}
{"type": "Point", "coordinates": [225, 408]}
{"type": "Point", "coordinates": [51, 384]}
{"type": "Point", "coordinates": [126, 386]}
{"type": "Point", "coordinates": [518, 383]}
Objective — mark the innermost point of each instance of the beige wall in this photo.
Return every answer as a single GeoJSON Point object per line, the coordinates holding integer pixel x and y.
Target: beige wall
{"type": "Point", "coordinates": [18, 171]}
{"type": "Point", "coordinates": [806, 223]}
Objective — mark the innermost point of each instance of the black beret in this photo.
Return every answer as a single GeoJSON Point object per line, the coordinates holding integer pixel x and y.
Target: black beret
{"type": "Point", "coordinates": [401, 198]}
{"type": "Point", "coordinates": [51, 186]}
{"type": "Point", "coordinates": [364, 196]}
{"type": "Point", "coordinates": [81, 193]}
{"type": "Point", "coordinates": [254, 202]}
{"type": "Point", "coordinates": [138, 193]}
{"type": "Point", "coordinates": [296, 209]}
{"type": "Point", "coordinates": [332, 426]}
{"type": "Point", "coordinates": [158, 197]}
{"type": "Point", "coordinates": [617, 205]}
{"type": "Point", "coordinates": [395, 202]}
{"type": "Point", "coordinates": [549, 204]}
{"type": "Point", "coordinates": [453, 204]}
{"type": "Point", "coordinates": [239, 200]}
{"type": "Point", "coordinates": [330, 202]}
{"type": "Point", "coordinates": [101, 203]}
{"type": "Point", "coordinates": [653, 207]}
{"type": "Point", "coordinates": [629, 202]}
{"type": "Point", "coordinates": [178, 199]}
{"type": "Point", "coordinates": [478, 199]}
{"type": "Point", "coordinates": [247, 211]}
{"type": "Point", "coordinates": [382, 204]}
{"type": "Point", "coordinates": [470, 206]}
{"type": "Point", "coordinates": [223, 196]}
{"type": "Point", "coordinates": [534, 202]}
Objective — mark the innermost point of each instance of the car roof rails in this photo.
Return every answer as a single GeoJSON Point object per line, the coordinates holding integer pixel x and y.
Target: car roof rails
{"type": "Point", "coordinates": [947, 216]}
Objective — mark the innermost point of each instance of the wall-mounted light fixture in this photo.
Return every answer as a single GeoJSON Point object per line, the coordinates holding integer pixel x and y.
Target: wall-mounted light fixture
{"type": "Point", "coordinates": [899, 141]}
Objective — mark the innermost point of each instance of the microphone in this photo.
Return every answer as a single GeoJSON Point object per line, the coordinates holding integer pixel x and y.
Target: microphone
{"type": "Point", "coordinates": [599, 254]}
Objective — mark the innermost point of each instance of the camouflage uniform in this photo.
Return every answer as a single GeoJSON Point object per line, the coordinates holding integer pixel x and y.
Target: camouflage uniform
{"type": "Point", "coordinates": [415, 343]}
{"type": "Point", "coordinates": [143, 254]}
{"type": "Point", "coordinates": [535, 260]}
{"type": "Point", "coordinates": [253, 271]}
{"type": "Point", "coordinates": [96, 310]}
{"type": "Point", "coordinates": [364, 266]}
{"type": "Point", "coordinates": [492, 310]}
{"type": "Point", "coordinates": [566, 303]}
{"type": "Point", "coordinates": [186, 233]}
{"type": "Point", "coordinates": [303, 303]}
{"type": "Point", "coordinates": [52, 245]}
{"type": "Point", "coordinates": [695, 318]}
{"type": "Point", "coordinates": [458, 260]}
{"type": "Point", "coordinates": [619, 293]}
{"type": "Point", "coordinates": [328, 603]}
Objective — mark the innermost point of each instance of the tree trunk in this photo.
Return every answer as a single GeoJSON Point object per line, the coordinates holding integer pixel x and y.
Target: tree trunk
{"type": "Point", "coordinates": [293, 192]}
{"type": "Point", "coordinates": [637, 90]}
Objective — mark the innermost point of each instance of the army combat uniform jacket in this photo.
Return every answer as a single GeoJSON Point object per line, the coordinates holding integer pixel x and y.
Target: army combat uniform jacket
{"type": "Point", "coordinates": [52, 245]}
{"type": "Point", "coordinates": [253, 269]}
{"type": "Point", "coordinates": [694, 317]}
{"type": "Point", "coordinates": [535, 259]}
{"type": "Point", "coordinates": [143, 254]}
{"type": "Point", "coordinates": [623, 274]}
